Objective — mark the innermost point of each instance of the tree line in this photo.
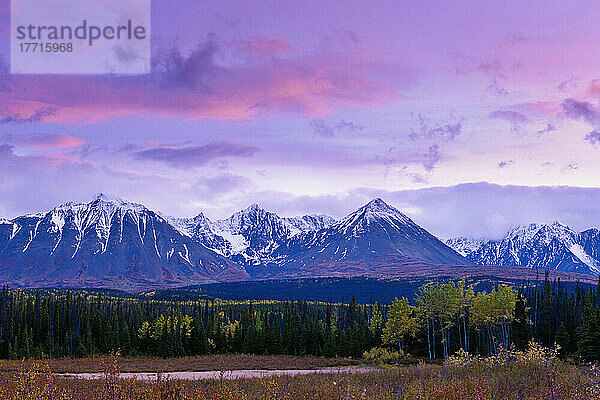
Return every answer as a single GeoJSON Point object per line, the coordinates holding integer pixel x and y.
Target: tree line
{"type": "Point", "coordinates": [441, 319]}
{"type": "Point", "coordinates": [446, 317]}
{"type": "Point", "coordinates": [44, 324]}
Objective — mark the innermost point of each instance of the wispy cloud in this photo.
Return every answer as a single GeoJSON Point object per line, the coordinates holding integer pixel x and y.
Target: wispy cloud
{"type": "Point", "coordinates": [503, 164]}
{"type": "Point", "coordinates": [347, 125]}
{"type": "Point", "coordinates": [432, 157]}
{"type": "Point", "coordinates": [493, 67]}
{"type": "Point", "coordinates": [516, 119]}
{"type": "Point", "coordinates": [264, 46]}
{"type": "Point", "coordinates": [567, 84]}
{"type": "Point", "coordinates": [584, 110]}
{"type": "Point", "coordinates": [593, 137]}
{"type": "Point", "coordinates": [185, 157]}
{"type": "Point", "coordinates": [43, 140]}
{"type": "Point", "coordinates": [321, 128]}
{"type": "Point", "coordinates": [495, 88]}
{"type": "Point", "coordinates": [429, 129]}
{"type": "Point", "coordinates": [36, 116]}
{"type": "Point", "coordinates": [588, 112]}
{"type": "Point", "coordinates": [200, 84]}
{"type": "Point", "coordinates": [549, 128]}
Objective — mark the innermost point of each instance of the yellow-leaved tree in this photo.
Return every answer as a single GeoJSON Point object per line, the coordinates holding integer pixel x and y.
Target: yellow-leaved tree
{"type": "Point", "coordinates": [402, 323]}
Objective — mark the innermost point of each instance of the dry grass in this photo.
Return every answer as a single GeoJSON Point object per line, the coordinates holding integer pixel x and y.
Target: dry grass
{"type": "Point", "coordinates": [219, 362]}
{"type": "Point", "coordinates": [527, 380]}
{"type": "Point", "coordinates": [532, 375]}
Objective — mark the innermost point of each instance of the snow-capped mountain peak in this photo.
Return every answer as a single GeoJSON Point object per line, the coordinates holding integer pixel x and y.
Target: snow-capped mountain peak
{"type": "Point", "coordinates": [253, 211]}
{"type": "Point", "coordinates": [108, 240]}
{"type": "Point", "coordinates": [190, 226]}
{"type": "Point", "coordinates": [98, 213]}
{"type": "Point", "coordinates": [375, 233]}
{"type": "Point", "coordinates": [549, 246]}
{"type": "Point", "coordinates": [307, 223]}
{"type": "Point", "coordinates": [378, 206]}
{"type": "Point", "coordinates": [253, 208]}
{"type": "Point", "coordinates": [375, 212]}
{"type": "Point", "coordinates": [249, 235]}
{"type": "Point", "coordinates": [108, 198]}
{"type": "Point", "coordinates": [110, 202]}
{"type": "Point", "coordinates": [545, 232]}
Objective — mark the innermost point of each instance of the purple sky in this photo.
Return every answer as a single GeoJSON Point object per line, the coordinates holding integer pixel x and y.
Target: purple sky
{"type": "Point", "coordinates": [319, 106]}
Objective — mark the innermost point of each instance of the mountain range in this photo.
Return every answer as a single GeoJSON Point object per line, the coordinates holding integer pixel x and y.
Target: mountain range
{"type": "Point", "coordinates": [547, 246]}
{"type": "Point", "coordinates": [109, 242]}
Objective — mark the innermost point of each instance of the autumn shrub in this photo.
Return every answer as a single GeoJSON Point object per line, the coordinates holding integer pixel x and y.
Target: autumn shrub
{"type": "Point", "coordinates": [379, 356]}
{"type": "Point", "coordinates": [34, 383]}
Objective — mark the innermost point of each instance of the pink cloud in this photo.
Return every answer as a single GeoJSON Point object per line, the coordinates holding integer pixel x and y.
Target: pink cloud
{"type": "Point", "coordinates": [594, 88]}
{"type": "Point", "coordinates": [540, 108]}
{"type": "Point", "coordinates": [58, 159]}
{"type": "Point", "coordinates": [265, 46]}
{"type": "Point", "coordinates": [44, 141]}
{"type": "Point", "coordinates": [195, 86]}
{"type": "Point", "coordinates": [45, 161]}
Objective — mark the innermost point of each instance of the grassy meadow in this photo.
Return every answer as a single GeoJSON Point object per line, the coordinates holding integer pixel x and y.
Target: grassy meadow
{"type": "Point", "coordinates": [532, 374]}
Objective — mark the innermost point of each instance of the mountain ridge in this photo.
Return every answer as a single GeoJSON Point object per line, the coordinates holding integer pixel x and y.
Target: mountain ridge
{"type": "Point", "coordinates": [102, 240]}
{"type": "Point", "coordinates": [553, 246]}
{"type": "Point", "coordinates": [111, 242]}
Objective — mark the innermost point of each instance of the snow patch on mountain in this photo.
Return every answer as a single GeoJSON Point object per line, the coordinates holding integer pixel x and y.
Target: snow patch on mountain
{"type": "Point", "coordinates": [237, 241]}
{"type": "Point", "coordinates": [464, 246]}
{"type": "Point", "coordinates": [307, 223]}
{"type": "Point", "coordinates": [580, 253]}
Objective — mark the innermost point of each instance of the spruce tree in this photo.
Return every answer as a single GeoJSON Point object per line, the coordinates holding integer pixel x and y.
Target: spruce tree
{"type": "Point", "coordinates": [562, 339]}
{"type": "Point", "coordinates": [520, 325]}
{"type": "Point", "coordinates": [588, 346]}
